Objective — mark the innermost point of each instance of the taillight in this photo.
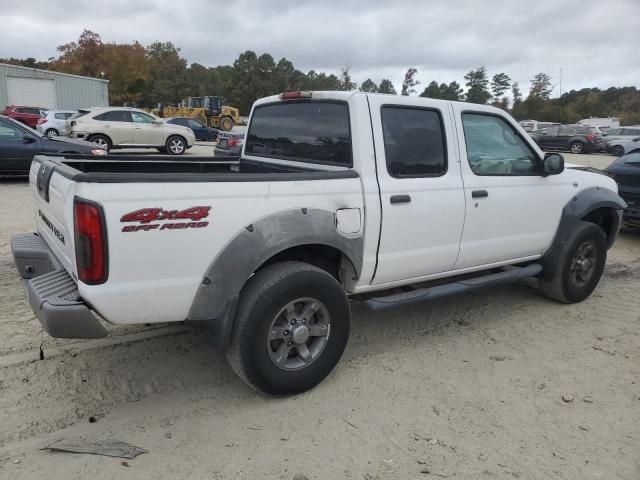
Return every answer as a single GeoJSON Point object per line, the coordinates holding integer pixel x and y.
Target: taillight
{"type": "Point", "coordinates": [232, 142]}
{"type": "Point", "coordinates": [41, 121]}
{"type": "Point", "coordinates": [589, 137]}
{"type": "Point", "coordinates": [91, 241]}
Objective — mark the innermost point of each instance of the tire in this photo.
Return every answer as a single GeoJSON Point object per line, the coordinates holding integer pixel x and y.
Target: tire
{"type": "Point", "coordinates": [52, 132]}
{"type": "Point", "coordinates": [176, 145]}
{"type": "Point", "coordinates": [101, 140]}
{"type": "Point", "coordinates": [269, 301]}
{"type": "Point", "coordinates": [226, 123]}
{"type": "Point", "coordinates": [575, 279]}
{"type": "Point", "coordinates": [617, 151]}
{"type": "Point", "coordinates": [576, 147]}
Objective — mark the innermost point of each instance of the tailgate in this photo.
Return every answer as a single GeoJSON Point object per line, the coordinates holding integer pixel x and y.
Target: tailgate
{"type": "Point", "coordinates": [53, 197]}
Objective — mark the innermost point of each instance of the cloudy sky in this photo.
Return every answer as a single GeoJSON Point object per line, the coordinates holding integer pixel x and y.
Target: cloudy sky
{"type": "Point", "coordinates": [595, 43]}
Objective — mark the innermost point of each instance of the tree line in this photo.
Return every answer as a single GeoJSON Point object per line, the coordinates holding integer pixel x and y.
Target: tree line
{"type": "Point", "coordinates": [158, 72]}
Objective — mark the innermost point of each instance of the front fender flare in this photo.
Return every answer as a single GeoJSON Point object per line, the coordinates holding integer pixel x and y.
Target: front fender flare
{"type": "Point", "coordinates": [577, 208]}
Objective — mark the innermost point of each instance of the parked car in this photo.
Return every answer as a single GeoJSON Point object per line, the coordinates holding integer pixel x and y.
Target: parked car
{"type": "Point", "coordinates": [616, 135]}
{"type": "Point", "coordinates": [575, 138]}
{"type": "Point", "coordinates": [533, 125]}
{"type": "Point", "coordinates": [27, 115]}
{"type": "Point", "coordinates": [626, 172]}
{"type": "Point", "coordinates": [624, 147]}
{"type": "Point", "coordinates": [19, 143]}
{"type": "Point", "coordinates": [229, 144]}
{"type": "Point", "coordinates": [202, 132]}
{"type": "Point", "coordinates": [52, 122]}
{"type": "Point", "coordinates": [121, 127]}
{"type": "Point", "coordinates": [336, 195]}
{"type": "Point", "coordinates": [605, 123]}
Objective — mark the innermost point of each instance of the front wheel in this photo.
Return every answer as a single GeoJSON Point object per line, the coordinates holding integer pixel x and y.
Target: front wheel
{"type": "Point", "coordinates": [617, 151]}
{"type": "Point", "coordinates": [576, 147]}
{"type": "Point", "coordinates": [52, 132]}
{"type": "Point", "coordinates": [226, 123]}
{"type": "Point", "coordinates": [580, 264]}
{"type": "Point", "coordinates": [176, 145]}
{"type": "Point", "coordinates": [291, 328]}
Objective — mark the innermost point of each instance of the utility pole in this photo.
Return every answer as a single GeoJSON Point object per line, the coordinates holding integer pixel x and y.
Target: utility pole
{"type": "Point", "coordinates": [560, 81]}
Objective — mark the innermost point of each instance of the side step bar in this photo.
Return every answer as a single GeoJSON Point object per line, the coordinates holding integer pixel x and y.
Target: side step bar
{"type": "Point", "coordinates": [425, 294]}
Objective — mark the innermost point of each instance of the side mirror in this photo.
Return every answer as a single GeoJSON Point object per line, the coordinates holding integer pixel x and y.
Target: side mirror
{"type": "Point", "coordinates": [28, 139]}
{"type": "Point", "coordinates": [552, 164]}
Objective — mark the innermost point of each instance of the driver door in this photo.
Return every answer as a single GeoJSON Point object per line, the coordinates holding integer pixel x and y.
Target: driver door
{"type": "Point", "coordinates": [511, 211]}
{"type": "Point", "coordinates": [15, 153]}
{"type": "Point", "coordinates": [145, 132]}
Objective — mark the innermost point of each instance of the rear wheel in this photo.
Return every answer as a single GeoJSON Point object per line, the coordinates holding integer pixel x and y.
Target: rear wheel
{"type": "Point", "coordinates": [580, 264]}
{"type": "Point", "coordinates": [52, 132]}
{"type": "Point", "coordinates": [226, 123]}
{"type": "Point", "coordinates": [291, 328]}
{"type": "Point", "coordinates": [576, 147]}
{"type": "Point", "coordinates": [176, 145]}
{"type": "Point", "coordinates": [101, 140]}
{"type": "Point", "coordinates": [617, 151]}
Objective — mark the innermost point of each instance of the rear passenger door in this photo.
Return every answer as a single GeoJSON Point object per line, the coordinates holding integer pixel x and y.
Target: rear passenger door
{"type": "Point", "coordinates": [420, 188]}
{"type": "Point", "coordinates": [116, 124]}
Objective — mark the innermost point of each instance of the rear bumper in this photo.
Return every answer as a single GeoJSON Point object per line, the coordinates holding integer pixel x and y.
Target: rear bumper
{"type": "Point", "coordinates": [52, 292]}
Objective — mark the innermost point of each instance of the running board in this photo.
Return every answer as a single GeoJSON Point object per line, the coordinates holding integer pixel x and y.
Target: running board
{"type": "Point", "coordinates": [425, 294]}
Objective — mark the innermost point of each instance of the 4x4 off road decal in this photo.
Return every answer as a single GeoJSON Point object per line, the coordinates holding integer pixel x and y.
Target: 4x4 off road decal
{"type": "Point", "coordinates": [146, 219]}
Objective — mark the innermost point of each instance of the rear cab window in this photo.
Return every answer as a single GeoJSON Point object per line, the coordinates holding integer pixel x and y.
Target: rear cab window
{"type": "Point", "coordinates": [413, 142]}
{"type": "Point", "coordinates": [311, 131]}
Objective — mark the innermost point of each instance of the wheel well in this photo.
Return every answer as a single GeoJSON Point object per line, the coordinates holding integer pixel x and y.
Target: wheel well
{"type": "Point", "coordinates": [325, 257]}
{"type": "Point", "coordinates": [176, 135]}
{"type": "Point", "coordinates": [93, 135]}
{"type": "Point", "coordinates": [607, 219]}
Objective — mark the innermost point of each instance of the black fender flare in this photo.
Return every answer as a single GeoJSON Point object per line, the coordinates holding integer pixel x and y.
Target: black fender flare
{"type": "Point", "coordinates": [580, 205]}
{"type": "Point", "coordinates": [217, 296]}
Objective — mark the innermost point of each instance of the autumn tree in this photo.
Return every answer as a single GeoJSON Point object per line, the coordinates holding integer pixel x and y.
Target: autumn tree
{"type": "Point", "coordinates": [127, 68]}
{"type": "Point", "coordinates": [409, 82]}
{"type": "Point", "coordinates": [82, 57]}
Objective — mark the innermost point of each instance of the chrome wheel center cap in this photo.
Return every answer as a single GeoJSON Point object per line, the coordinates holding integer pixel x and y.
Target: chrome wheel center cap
{"type": "Point", "coordinates": [300, 334]}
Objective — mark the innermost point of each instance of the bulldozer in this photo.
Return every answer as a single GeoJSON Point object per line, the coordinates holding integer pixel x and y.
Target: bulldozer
{"type": "Point", "coordinates": [210, 110]}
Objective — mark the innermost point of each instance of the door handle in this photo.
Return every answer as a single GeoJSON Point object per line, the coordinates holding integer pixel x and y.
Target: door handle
{"type": "Point", "coordinates": [479, 194]}
{"type": "Point", "coordinates": [400, 199]}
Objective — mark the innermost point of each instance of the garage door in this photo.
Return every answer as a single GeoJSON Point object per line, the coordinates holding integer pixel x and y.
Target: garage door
{"type": "Point", "coordinates": [32, 92]}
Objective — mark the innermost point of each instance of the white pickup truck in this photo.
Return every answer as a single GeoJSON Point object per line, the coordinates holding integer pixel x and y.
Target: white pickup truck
{"type": "Point", "coordinates": [338, 196]}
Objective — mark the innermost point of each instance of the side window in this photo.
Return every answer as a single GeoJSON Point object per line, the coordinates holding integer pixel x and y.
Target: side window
{"type": "Point", "coordinates": [139, 117]}
{"type": "Point", "coordinates": [413, 142]}
{"type": "Point", "coordinates": [10, 132]}
{"type": "Point", "coordinates": [495, 148]}
{"type": "Point", "coordinates": [566, 131]}
{"type": "Point", "coordinates": [195, 124]}
{"type": "Point", "coordinates": [614, 131]}
{"type": "Point", "coordinates": [61, 116]}
{"type": "Point", "coordinates": [114, 116]}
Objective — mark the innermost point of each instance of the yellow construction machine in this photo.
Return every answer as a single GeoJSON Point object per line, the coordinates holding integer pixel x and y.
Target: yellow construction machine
{"type": "Point", "coordinates": [210, 110]}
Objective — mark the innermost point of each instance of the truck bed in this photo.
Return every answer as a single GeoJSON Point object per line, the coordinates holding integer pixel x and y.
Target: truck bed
{"type": "Point", "coordinates": [137, 169]}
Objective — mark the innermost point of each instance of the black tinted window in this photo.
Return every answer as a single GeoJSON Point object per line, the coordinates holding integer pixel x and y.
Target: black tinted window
{"type": "Point", "coordinates": [306, 131]}
{"type": "Point", "coordinates": [114, 116]}
{"type": "Point", "coordinates": [413, 142]}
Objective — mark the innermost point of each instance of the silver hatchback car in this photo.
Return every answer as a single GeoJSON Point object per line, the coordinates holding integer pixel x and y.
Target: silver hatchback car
{"type": "Point", "coordinates": [52, 122]}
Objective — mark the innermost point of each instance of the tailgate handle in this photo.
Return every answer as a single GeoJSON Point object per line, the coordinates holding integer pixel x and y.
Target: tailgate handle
{"type": "Point", "coordinates": [479, 194]}
{"type": "Point", "coordinates": [400, 199]}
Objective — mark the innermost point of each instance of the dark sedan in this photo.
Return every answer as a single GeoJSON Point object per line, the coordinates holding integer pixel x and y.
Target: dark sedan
{"type": "Point", "coordinates": [19, 143]}
{"type": "Point", "coordinates": [201, 131]}
{"type": "Point", "coordinates": [229, 144]}
{"type": "Point", "coordinates": [626, 172]}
